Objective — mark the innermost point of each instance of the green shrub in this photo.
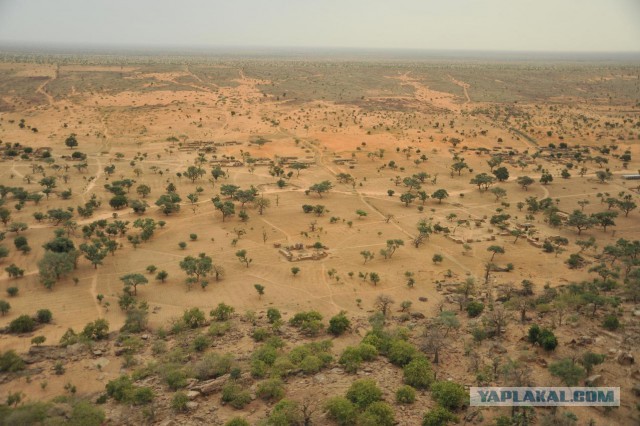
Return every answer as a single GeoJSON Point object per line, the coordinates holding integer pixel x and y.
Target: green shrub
{"type": "Point", "coordinates": [44, 316]}
{"type": "Point", "coordinates": [120, 388]}
{"type": "Point", "coordinates": [213, 365]}
{"type": "Point", "coordinates": [377, 414]}
{"type": "Point", "coordinates": [272, 389]}
{"type": "Point", "coordinates": [364, 392]}
{"type": "Point", "coordinates": [534, 333]}
{"type": "Point", "coordinates": [285, 413]}
{"type": "Point", "coordinates": [341, 410]}
{"type": "Point", "coordinates": [406, 395]}
{"type": "Point", "coordinates": [589, 359]}
{"type": "Point", "coordinates": [418, 373]}
{"type": "Point", "coordinates": [611, 322]}
{"type": "Point", "coordinates": [449, 395]}
{"type": "Point", "coordinates": [222, 313]}
{"type": "Point", "coordinates": [309, 323]}
{"type": "Point", "coordinates": [85, 414]}
{"type": "Point", "coordinates": [401, 353]}
{"type": "Point", "coordinates": [141, 396]}
{"type": "Point", "coordinates": [193, 318]}
{"type": "Point", "coordinates": [179, 402]}
{"type": "Point", "coordinates": [439, 416]}
{"type": "Point", "coordinates": [565, 369]}
{"type": "Point", "coordinates": [339, 324]}
{"type": "Point", "coordinates": [11, 362]}
{"type": "Point", "coordinates": [200, 343]}
{"type": "Point", "coordinates": [475, 308]}
{"type": "Point", "coordinates": [311, 364]}
{"type": "Point", "coordinates": [235, 396]}
{"type": "Point", "coordinates": [547, 340]}
{"type": "Point", "coordinates": [351, 359]}
{"type": "Point", "coordinates": [22, 324]}
{"type": "Point", "coordinates": [260, 334]}
{"type": "Point", "coordinates": [273, 315]}
{"type": "Point", "coordinates": [265, 353]}
{"type": "Point", "coordinates": [96, 330]}
{"type": "Point", "coordinates": [175, 377]}
{"type": "Point", "coordinates": [367, 352]}
{"type": "Point", "coordinates": [219, 328]}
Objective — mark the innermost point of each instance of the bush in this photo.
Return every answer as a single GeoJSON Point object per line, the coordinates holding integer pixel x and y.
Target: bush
{"type": "Point", "coordinates": [119, 388]}
{"type": "Point", "coordinates": [377, 414]}
{"type": "Point", "coordinates": [85, 414]}
{"type": "Point", "coordinates": [200, 343]}
{"type": "Point", "coordinates": [341, 410]}
{"type": "Point", "coordinates": [544, 337]}
{"type": "Point", "coordinates": [406, 395]}
{"type": "Point", "coordinates": [260, 334]}
{"type": "Point", "coordinates": [272, 389]}
{"type": "Point", "coordinates": [219, 328]}
{"type": "Point", "coordinates": [141, 396]}
{"type": "Point", "coordinates": [339, 324]}
{"type": "Point", "coordinates": [273, 315]}
{"type": "Point", "coordinates": [418, 373]}
{"type": "Point", "coordinates": [308, 322]}
{"type": "Point", "coordinates": [401, 353]}
{"type": "Point", "coordinates": [12, 291]}
{"type": "Point", "coordinates": [547, 340]}
{"type": "Point", "coordinates": [11, 362]}
{"type": "Point", "coordinates": [364, 392]}
{"type": "Point", "coordinates": [193, 317]}
{"type": "Point", "coordinates": [235, 396]}
{"type": "Point", "coordinates": [311, 364]}
{"type": "Point", "coordinates": [175, 377]}
{"type": "Point", "coordinates": [567, 371]}
{"type": "Point", "coordinates": [222, 312]}
{"type": "Point", "coordinates": [285, 413]}
{"type": "Point", "coordinates": [439, 416]}
{"type": "Point", "coordinates": [475, 308]}
{"type": "Point", "coordinates": [213, 365]}
{"type": "Point", "coordinates": [97, 330]}
{"type": "Point", "coordinates": [22, 324]}
{"type": "Point", "coordinates": [449, 395]}
{"type": "Point", "coordinates": [611, 322]}
{"type": "Point", "coordinates": [4, 307]}
{"type": "Point", "coordinates": [179, 402]}
{"type": "Point", "coordinates": [367, 352]}
{"type": "Point", "coordinates": [589, 359]}
{"type": "Point", "coordinates": [259, 369]}
{"type": "Point", "coordinates": [351, 359]}
{"type": "Point", "coordinates": [44, 316]}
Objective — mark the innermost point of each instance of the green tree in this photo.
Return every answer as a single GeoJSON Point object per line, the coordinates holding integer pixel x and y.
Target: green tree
{"type": "Point", "coordinates": [134, 280]}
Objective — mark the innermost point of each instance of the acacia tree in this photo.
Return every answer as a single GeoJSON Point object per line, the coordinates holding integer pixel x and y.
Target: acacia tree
{"type": "Point", "coordinates": [424, 231]}
{"type": "Point", "coordinates": [94, 252]}
{"type": "Point", "coordinates": [197, 268]}
{"type": "Point", "coordinates": [320, 187]}
{"type": "Point", "coordinates": [495, 250]}
{"type": "Point", "coordinates": [392, 246]}
{"type": "Point", "coordinates": [525, 182]}
{"type": "Point", "coordinates": [580, 221]}
{"type": "Point", "coordinates": [440, 195]}
{"type": "Point", "coordinates": [133, 280]}
{"type": "Point", "coordinates": [242, 257]}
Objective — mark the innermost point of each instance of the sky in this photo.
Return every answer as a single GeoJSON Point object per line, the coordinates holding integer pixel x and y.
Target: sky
{"type": "Point", "coordinates": [484, 25]}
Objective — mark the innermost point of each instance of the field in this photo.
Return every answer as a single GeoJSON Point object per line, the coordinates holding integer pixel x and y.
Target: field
{"type": "Point", "coordinates": [387, 137]}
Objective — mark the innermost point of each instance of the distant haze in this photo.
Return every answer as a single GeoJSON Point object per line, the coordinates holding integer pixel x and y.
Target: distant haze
{"type": "Point", "coordinates": [468, 25]}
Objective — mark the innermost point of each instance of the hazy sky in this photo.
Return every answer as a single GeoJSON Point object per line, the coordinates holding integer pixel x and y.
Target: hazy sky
{"type": "Point", "coordinates": [525, 25]}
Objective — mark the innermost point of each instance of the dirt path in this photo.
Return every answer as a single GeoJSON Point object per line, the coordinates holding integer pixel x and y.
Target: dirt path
{"type": "Point", "coordinates": [464, 86]}
{"type": "Point", "coordinates": [43, 92]}
{"type": "Point", "coordinates": [94, 294]}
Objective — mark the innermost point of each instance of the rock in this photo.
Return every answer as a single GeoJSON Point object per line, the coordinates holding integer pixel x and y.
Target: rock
{"type": "Point", "coordinates": [191, 405]}
{"type": "Point", "coordinates": [119, 351]}
{"type": "Point", "coordinates": [422, 299]}
{"type": "Point", "coordinates": [636, 313]}
{"type": "Point", "coordinates": [319, 378]}
{"type": "Point", "coordinates": [144, 337]}
{"type": "Point", "coordinates": [97, 352]}
{"type": "Point", "coordinates": [417, 315]}
{"type": "Point", "coordinates": [211, 386]}
{"type": "Point", "coordinates": [626, 358]}
{"type": "Point", "coordinates": [595, 380]}
{"type": "Point", "coordinates": [336, 370]}
{"type": "Point", "coordinates": [75, 349]}
{"type": "Point", "coordinates": [542, 362]}
{"type": "Point", "coordinates": [192, 395]}
{"type": "Point", "coordinates": [584, 340]}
